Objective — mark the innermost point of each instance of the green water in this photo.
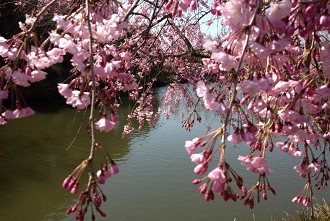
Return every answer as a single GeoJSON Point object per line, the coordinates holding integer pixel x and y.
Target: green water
{"type": "Point", "coordinates": [155, 176]}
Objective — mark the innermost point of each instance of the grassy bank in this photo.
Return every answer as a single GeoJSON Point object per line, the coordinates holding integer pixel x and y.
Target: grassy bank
{"type": "Point", "coordinates": [321, 213]}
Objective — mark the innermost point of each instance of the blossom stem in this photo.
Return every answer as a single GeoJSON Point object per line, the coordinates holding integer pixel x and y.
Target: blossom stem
{"type": "Point", "coordinates": [92, 75]}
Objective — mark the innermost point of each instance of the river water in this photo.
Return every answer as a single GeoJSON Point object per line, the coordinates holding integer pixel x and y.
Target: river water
{"type": "Point", "coordinates": [155, 176]}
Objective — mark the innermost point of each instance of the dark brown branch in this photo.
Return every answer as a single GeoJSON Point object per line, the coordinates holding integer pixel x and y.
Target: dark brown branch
{"type": "Point", "coordinates": [131, 10]}
{"type": "Point", "coordinates": [202, 16]}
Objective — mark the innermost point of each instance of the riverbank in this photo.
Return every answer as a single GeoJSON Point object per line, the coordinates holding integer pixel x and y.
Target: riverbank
{"type": "Point", "coordinates": [321, 213]}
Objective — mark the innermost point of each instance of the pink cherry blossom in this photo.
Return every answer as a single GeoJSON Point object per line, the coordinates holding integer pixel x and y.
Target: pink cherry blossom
{"type": "Point", "coordinates": [38, 59]}
{"type": "Point", "coordinates": [37, 75]}
{"type": "Point", "coordinates": [18, 77]}
{"type": "Point", "coordinates": [255, 164]}
{"type": "Point", "coordinates": [197, 158]}
{"type": "Point", "coordinates": [191, 145]}
{"type": "Point", "coordinates": [8, 114]}
{"type": "Point", "coordinates": [78, 60]}
{"type": "Point", "coordinates": [105, 125]}
{"type": "Point", "coordinates": [201, 168]}
{"type": "Point", "coordinates": [248, 87]}
{"type": "Point", "coordinates": [218, 175]}
{"type": "Point", "coordinates": [201, 89]}
{"type": "Point", "coordinates": [260, 165]}
{"type": "Point", "coordinates": [217, 107]}
{"type": "Point", "coordinates": [265, 76]}
{"type": "Point", "coordinates": [79, 99]}
{"type": "Point", "coordinates": [249, 137]}
{"type": "Point", "coordinates": [235, 137]}
{"type": "Point", "coordinates": [23, 112]}
{"type": "Point", "coordinates": [314, 166]}
{"type": "Point", "coordinates": [210, 45]}
{"type": "Point", "coordinates": [289, 148]}
{"type": "Point", "coordinates": [211, 65]}
{"type": "Point", "coordinates": [303, 169]}
{"type": "Point", "coordinates": [101, 177]}
{"type": "Point", "coordinates": [209, 100]}
{"type": "Point", "coordinates": [254, 86]}
{"type": "Point", "coordinates": [64, 90]}
{"type": "Point", "coordinates": [276, 12]}
{"type": "Point", "coordinates": [56, 55]}
{"type": "Point", "coordinates": [3, 47]}
{"type": "Point", "coordinates": [226, 61]}
{"type": "Point", "coordinates": [218, 187]}
{"type": "Point", "coordinates": [103, 174]}
{"type": "Point", "coordinates": [235, 13]}
{"type": "Point", "coordinates": [245, 161]}
{"type": "Point", "coordinates": [66, 43]}
{"type": "Point", "coordinates": [291, 116]}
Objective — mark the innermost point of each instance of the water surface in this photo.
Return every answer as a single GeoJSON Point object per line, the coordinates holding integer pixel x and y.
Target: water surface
{"type": "Point", "coordinates": [155, 176]}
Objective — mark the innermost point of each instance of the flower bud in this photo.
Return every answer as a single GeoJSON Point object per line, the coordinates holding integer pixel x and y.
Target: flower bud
{"type": "Point", "coordinates": [196, 181]}
{"type": "Point", "coordinates": [244, 191]}
{"type": "Point", "coordinates": [296, 199]}
{"type": "Point", "coordinates": [71, 209]}
{"type": "Point", "coordinates": [104, 198]}
{"type": "Point", "coordinates": [324, 20]}
{"type": "Point", "coordinates": [74, 188]}
{"type": "Point", "coordinates": [66, 182]}
{"type": "Point", "coordinates": [209, 195]}
{"type": "Point", "coordinates": [203, 188]}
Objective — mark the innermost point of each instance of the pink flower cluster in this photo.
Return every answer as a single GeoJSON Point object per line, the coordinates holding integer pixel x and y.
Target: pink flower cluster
{"type": "Point", "coordinates": [304, 168]}
{"type": "Point", "coordinates": [255, 164]}
{"type": "Point", "coordinates": [305, 201]}
{"type": "Point", "coordinates": [246, 133]}
{"type": "Point", "coordinates": [105, 124]}
{"type": "Point", "coordinates": [71, 182]}
{"type": "Point", "coordinates": [266, 75]}
{"type": "Point", "coordinates": [76, 98]}
{"type": "Point", "coordinates": [26, 77]}
{"type": "Point", "coordinates": [217, 180]}
{"type": "Point", "coordinates": [176, 7]}
{"type": "Point", "coordinates": [107, 172]}
{"type": "Point", "coordinates": [191, 145]}
{"type": "Point", "coordinates": [17, 113]}
{"type": "Point", "coordinates": [210, 102]}
{"type": "Point", "coordinates": [290, 148]}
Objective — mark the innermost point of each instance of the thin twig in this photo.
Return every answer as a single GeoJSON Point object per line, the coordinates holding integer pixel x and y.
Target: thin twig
{"type": "Point", "coordinates": [92, 74]}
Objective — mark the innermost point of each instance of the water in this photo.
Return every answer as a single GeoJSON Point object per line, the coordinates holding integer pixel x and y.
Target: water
{"type": "Point", "coordinates": [155, 176]}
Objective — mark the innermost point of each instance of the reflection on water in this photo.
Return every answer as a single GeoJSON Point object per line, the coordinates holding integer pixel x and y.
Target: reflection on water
{"type": "Point", "coordinates": [155, 176]}
{"type": "Point", "coordinates": [36, 161]}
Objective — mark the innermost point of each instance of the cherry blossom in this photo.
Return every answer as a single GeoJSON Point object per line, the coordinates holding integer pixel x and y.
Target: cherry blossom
{"type": "Point", "coordinates": [191, 145]}
{"type": "Point", "coordinates": [255, 164]}
{"type": "Point", "coordinates": [105, 124]}
{"type": "Point", "coordinates": [264, 75]}
{"type": "Point", "coordinates": [78, 99]}
{"type": "Point", "coordinates": [217, 175]}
